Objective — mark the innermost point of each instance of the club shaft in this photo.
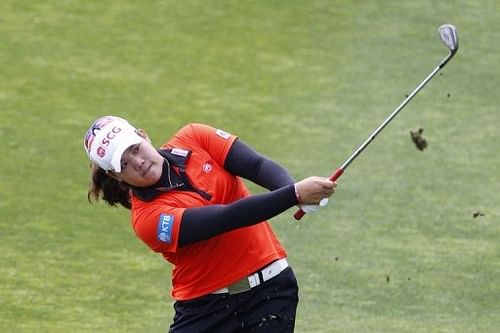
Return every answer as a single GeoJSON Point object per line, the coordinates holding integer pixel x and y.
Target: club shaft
{"type": "Point", "coordinates": [393, 114]}
{"type": "Point", "coordinates": [339, 171]}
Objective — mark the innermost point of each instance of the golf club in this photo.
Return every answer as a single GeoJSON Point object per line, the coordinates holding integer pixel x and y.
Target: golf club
{"type": "Point", "coordinates": [448, 35]}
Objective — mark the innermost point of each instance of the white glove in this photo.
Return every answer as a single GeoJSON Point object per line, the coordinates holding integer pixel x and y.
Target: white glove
{"type": "Point", "coordinates": [312, 208]}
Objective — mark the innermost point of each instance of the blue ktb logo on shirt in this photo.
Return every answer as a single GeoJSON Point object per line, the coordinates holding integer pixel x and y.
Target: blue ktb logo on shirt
{"type": "Point", "coordinates": [165, 227]}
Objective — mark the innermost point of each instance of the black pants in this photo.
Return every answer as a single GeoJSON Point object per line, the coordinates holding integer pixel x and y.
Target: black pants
{"type": "Point", "coordinates": [269, 307]}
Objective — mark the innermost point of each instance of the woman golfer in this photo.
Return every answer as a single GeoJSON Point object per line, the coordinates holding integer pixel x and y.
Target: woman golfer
{"type": "Point", "coordinates": [189, 204]}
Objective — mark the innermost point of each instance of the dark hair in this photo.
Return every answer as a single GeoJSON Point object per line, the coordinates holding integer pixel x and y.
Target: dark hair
{"type": "Point", "coordinates": [102, 185]}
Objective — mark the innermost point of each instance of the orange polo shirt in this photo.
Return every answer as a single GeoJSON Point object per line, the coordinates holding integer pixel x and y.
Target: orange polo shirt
{"type": "Point", "coordinates": [209, 265]}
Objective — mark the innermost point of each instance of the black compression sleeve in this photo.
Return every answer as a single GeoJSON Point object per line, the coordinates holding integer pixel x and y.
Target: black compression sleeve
{"type": "Point", "coordinates": [244, 161]}
{"type": "Point", "coordinates": [201, 223]}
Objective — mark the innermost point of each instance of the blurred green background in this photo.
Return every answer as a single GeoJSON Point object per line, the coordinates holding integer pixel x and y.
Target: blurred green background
{"type": "Point", "coordinates": [304, 82]}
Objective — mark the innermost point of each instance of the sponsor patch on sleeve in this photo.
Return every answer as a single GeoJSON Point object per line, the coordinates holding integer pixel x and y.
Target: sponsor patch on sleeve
{"type": "Point", "coordinates": [222, 134]}
{"type": "Point", "coordinates": [165, 227]}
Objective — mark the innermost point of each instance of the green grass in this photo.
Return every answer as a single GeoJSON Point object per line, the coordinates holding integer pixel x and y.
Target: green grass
{"type": "Point", "coordinates": [304, 82]}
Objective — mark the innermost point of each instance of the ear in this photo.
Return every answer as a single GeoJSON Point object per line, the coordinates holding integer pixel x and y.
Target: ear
{"type": "Point", "coordinates": [143, 134]}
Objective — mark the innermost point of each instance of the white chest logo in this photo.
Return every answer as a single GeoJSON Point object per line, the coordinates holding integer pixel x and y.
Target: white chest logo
{"type": "Point", "coordinates": [180, 152]}
{"type": "Point", "coordinates": [206, 167]}
{"type": "Point", "coordinates": [222, 134]}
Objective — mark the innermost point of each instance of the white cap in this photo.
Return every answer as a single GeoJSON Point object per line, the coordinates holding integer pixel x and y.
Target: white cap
{"type": "Point", "coordinates": [107, 139]}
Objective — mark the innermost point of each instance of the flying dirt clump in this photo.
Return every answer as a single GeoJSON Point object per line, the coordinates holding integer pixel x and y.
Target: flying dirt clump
{"type": "Point", "coordinates": [477, 214]}
{"type": "Point", "coordinates": [418, 140]}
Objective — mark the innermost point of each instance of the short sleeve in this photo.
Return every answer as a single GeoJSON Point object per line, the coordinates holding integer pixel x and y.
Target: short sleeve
{"type": "Point", "coordinates": [214, 141]}
{"type": "Point", "coordinates": [158, 226]}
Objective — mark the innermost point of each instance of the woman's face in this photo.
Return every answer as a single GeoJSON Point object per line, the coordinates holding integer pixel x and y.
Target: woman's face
{"type": "Point", "coordinates": [141, 165]}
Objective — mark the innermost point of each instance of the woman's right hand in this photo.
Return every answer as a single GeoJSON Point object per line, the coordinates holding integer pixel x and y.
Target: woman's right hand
{"type": "Point", "coordinates": [311, 190]}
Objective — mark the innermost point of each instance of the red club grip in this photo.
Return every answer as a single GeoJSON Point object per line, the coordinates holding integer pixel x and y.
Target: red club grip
{"type": "Point", "coordinates": [300, 213]}
{"type": "Point", "coordinates": [336, 174]}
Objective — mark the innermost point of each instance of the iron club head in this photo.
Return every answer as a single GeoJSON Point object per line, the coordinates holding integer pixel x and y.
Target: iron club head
{"type": "Point", "coordinates": [448, 34]}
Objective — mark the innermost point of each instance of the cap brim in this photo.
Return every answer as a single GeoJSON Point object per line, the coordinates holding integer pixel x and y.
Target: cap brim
{"type": "Point", "coordinates": [124, 144]}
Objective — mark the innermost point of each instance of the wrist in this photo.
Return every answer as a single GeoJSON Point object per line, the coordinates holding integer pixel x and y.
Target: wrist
{"type": "Point", "coordinates": [297, 195]}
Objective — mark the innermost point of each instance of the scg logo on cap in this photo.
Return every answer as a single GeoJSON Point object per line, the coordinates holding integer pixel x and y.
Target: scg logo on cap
{"type": "Point", "coordinates": [101, 150]}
